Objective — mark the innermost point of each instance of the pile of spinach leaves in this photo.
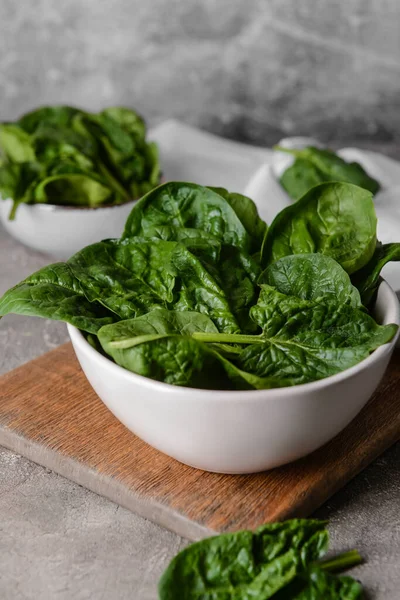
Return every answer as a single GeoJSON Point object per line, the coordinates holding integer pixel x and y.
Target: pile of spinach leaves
{"type": "Point", "coordinates": [281, 561]}
{"type": "Point", "coordinates": [199, 292]}
{"type": "Point", "coordinates": [313, 166]}
{"type": "Point", "coordinates": [63, 155]}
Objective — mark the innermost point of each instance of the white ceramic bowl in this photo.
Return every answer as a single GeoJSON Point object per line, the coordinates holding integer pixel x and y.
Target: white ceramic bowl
{"type": "Point", "coordinates": [63, 230]}
{"type": "Point", "coordinates": [234, 431]}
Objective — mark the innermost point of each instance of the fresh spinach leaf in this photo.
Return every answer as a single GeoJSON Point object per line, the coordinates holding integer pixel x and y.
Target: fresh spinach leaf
{"type": "Point", "coordinates": [132, 276]}
{"type": "Point", "coordinates": [74, 189]}
{"type": "Point", "coordinates": [234, 271]}
{"type": "Point", "coordinates": [51, 116]}
{"type": "Point", "coordinates": [15, 144]}
{"type": "Point", "coordinates": [316, 584]}
{"type": "Point", "coordinates": [17, 181]}
{"type": "Point", "coordinates": [245, 565]}
{"type": "Point", "coordinates": [190, 206]}
{"type": "Point", "coordinates": [310, 277]}
{"type": "Point", "coordinates": [315, 165]}
{"type": "Point", "coordinates": [83, 159]}
{"type": "Point", "coordinates": [54, 293]}
{"type": "Point", "coordinates": [247, 212]}
{"type": "Point", "coordinates": [335, 219]}
{"type": "Point", "coordinates": [200, 243]}
{"type": "Point", "coordinates": [309, 331]}
{"type": "Point", "coordinates": [367, 279]}
{"type": "Point", "coordinates": [158, 345]}
{"type": "Point", "coordinates": [301, 177]}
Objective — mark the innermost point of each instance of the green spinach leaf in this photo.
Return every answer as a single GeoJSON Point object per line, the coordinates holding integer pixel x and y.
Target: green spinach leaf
{"type": "Point", "coordinates": [247, 212]}
{"type": "Point", "coordinates": [158, 345]}
{"type": "Point", "coordinates": [17, 181]}
{"type": "Point", "coordinates": [335, 219]}
{"type": "Point", "coordinates": [15, 144]}
{"type": "Point", "coordinates": [315, 165]}
{"type": "Point", "coordinates": [367, 279]}
{"type": "Point", "coordinates": [51, 116]}
{"type": "Point", "coordinates": [82, 159]}
{"type": "Point", "coordinates": [190, 206]}
{"type": "Point", "coordinates": [244, 565]}
{"type": "Point", "coordinates": [133, 276]}
{"type": "Point", "coordinates": [54, 293]}
{"type": "Point", "coordinates": [316, 584]}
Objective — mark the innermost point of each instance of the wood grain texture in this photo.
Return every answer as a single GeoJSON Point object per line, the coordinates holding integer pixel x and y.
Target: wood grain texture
{"type": "Point", "coordinates": [50, 414]}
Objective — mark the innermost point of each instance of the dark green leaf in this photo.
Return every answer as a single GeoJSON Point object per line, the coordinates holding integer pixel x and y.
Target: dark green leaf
{"type": "Point", "coordinates": [310, 277]}
{"type": "Point", "coordinates": [244, 565]}
{"type": "Point", "coordinates": [150, 347]}
{"type": "Point", "coordinates": [17, 181]}
{"type": "Point", "coordinates": [73, 189]}
{"type": "Point", "coordinates": [315, 584]}
{"type": "Point", "coordinates": [314, 166]}
{"type": "Point", "coordinates": [136, 275]}
{"type": "Point", "coordinates": [301, 177]}
{"type": "Point", "coordinates": [335, 219]}
{"type": "Point", "coordinates": [367, 279]}
{"type": "Point", "coordinates": [190, 206]}
{"type": "Point", "coordinates": [54, 293]}
{"type": "Point", "coordinates": [52, 116]}
{"type": "Point", "coordinates": [247, 212]}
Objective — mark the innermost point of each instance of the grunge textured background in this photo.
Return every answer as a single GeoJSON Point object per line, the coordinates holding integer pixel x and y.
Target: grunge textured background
{"type": "Point", "coordinates": [248, 69]}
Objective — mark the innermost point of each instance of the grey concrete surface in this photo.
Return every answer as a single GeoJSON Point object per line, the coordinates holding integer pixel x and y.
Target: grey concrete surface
{"type": "Point", "coordinates": [59, 541]}
{"type": "Point", "coordinates": [251, 69]}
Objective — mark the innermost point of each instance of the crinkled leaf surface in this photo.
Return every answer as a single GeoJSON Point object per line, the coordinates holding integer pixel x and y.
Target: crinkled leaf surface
{"type": "Point", "coordinates": [54, 293]}
{"type": "Point", "coordinates": [190, 206]}
{"type": "Point", "coordinates": [133, 276]}
{"type": "Point", "coordinates": [335, 219]}
{"type": "Point", "coordinates": [244, 565]}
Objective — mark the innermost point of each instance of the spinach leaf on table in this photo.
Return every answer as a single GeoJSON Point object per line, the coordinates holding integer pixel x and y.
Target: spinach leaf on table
{"type": "Point", "coordinates": [367, 279]}
{"type": "Point", "coordinates": [335, 219]}
{"type": "Point", "coordinates": [313, 166]}
{"type": "Point", "coordinates": [275, 560]}
{"type": "Point", "coordinates": [316, 584]}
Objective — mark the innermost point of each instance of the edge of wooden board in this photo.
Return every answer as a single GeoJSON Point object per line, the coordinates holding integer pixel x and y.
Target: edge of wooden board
{"type": "Point", "coordinates": [99, 484]}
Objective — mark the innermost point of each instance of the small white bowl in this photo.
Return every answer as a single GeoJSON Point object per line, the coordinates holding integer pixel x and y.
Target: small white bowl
{"type": "Point", "coordinates": [63, 230]}
{"type": "Point", "coordinates": [234, 431]}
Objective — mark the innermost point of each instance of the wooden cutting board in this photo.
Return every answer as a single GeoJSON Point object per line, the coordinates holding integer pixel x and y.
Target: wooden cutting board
{"type": "Point", "coordinates": [50, 414]}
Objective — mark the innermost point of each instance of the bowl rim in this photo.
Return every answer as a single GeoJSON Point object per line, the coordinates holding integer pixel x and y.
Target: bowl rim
{"type": "Point", "coordinates": [46, 206]}
{"type": "Point", "coordinates": [391, 306]}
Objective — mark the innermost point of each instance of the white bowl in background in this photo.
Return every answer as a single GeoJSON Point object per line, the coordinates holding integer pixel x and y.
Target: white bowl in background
{"type": "Point", "coordinates": [63, 230]}
{"type": "Point", "coordinates": [186, 154]}
{"type": "Point", "coordinates": [238, 431]}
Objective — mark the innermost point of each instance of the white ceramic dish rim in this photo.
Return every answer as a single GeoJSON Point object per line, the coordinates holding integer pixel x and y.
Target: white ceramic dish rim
{"type": "Point", "coordinates": [67, 208]}
{"type": "Point", "coordinates": [255, 395]}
